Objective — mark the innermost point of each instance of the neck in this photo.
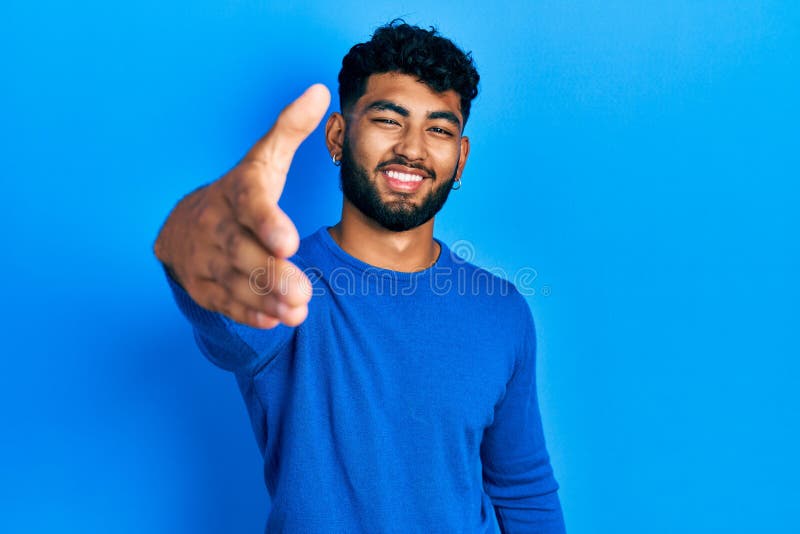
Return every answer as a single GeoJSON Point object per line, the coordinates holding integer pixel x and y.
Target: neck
{"type": "Point", "coordinates": [363, 238]}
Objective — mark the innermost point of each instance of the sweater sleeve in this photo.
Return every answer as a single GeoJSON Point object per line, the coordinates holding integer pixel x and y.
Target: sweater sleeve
{"type": "Point", "coordinates": [517, 473]}
{"type": "Point", "coordinates": [227, 344]}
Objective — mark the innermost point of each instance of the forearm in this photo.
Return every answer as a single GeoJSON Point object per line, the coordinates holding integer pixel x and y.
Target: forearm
{"type": "Point", "coordinates": [214, 334]}
{"type": "Point", "coordinates": [540, 514]}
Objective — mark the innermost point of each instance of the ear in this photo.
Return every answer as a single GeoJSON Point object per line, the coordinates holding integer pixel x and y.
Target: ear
{"type": "Point", "coordinates": [334, 134]}
{"type": "Point", "coordinates": [463, 155]}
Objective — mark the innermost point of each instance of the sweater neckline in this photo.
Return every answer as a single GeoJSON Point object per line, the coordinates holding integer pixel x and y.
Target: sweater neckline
{"type": "Point", "coordinates": [326, 238]}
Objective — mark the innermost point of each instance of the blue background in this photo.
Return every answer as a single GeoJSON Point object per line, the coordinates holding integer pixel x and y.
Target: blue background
{"type": "Point", "coordinates": [641, 157]}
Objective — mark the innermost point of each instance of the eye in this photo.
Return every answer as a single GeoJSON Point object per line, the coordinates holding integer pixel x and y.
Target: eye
{"type": "Point", "coordinates": [441, 131]}
{"type": "Point", "coordinates": [382, 120]}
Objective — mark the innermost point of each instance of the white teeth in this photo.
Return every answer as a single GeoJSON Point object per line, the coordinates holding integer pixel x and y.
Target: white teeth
{"type": "Point", "coordinates": [404, 177]}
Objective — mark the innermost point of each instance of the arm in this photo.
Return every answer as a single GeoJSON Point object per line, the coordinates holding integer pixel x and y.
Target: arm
{"type": "Point", "coordinates": [224, 248]}
{"type": "Point", "coordinates": [227, 344]}
{"type": "Point", "coordinates": [516, 466]}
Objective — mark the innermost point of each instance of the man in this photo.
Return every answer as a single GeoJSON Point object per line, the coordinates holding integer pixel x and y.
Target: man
{"type": "Point", "coordinates": [390, 384]}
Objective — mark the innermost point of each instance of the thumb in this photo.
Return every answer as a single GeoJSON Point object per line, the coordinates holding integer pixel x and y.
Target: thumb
{"type": "Point", "coordinates": [297, 120]}
{"type": "Point", "coordinates": [254, 187]}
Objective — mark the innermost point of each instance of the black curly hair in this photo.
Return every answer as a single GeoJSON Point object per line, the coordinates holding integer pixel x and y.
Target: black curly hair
{"type": "Point", "coordinates": [400, 47]}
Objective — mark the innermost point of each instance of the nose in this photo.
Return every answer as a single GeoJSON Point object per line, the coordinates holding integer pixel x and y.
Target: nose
{"type": "Point", "coordinates": [411, 145]}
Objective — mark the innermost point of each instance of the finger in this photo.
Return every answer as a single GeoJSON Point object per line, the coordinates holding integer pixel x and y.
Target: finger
{"type": "Point", "coordinates": [265, 272]}
{"type": "Point", "coordinates": [277, 277]}
{"type": "Point", "coordinates": [280, 280]}
{"type": "Point", "coordinates": [295, 316]}
{"type": "Point", "coordinates": [236, 300]}
{"type": "Point", "coordinates": [243, 249]}
{"type": "Point", "coordinates": [251, 203]}
{"type": "Point", "coordinates": [297, 120]}
{"type": "Point", "coordinates": [259, 320]}
{"type": "Point", "coordinates": [212, 296]}
{"type": "Point", "coordinates": [249, 291]}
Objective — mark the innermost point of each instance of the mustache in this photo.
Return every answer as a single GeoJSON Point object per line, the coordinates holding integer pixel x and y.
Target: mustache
{"type": "Point", "coordinates": [406, 163]}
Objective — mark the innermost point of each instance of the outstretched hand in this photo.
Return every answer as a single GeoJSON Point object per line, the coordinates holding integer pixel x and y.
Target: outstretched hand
{"type": "Point", "coordinates": [227, 243]}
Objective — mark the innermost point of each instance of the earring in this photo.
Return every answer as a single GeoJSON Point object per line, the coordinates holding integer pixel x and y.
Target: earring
{"type": "Point", "coordinates": [456, 183]}
{"type": "Point", "coordinates": [337, 163]}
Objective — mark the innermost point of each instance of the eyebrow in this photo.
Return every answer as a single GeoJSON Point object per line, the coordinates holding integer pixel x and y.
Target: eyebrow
{"type": "Point", "coordinates": [384, 105]}
{"type": "Point", "coordinates": [387, 105]}
{"type": "Point", "coordinates": [446, 115]}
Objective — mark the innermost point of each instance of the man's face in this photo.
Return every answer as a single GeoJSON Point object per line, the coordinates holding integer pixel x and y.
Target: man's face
{"type": "Point", "coordinates": [402, 151]}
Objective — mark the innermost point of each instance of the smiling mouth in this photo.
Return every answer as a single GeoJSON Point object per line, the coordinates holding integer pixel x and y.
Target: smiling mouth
{"type": "Point", "coordinates": [403, 176]}
{"type": "Point", "coordinates": [402, 182]}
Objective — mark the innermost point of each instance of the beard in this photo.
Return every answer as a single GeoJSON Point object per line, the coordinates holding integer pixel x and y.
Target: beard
{"type": "Point", "coordinates": [396, 215]}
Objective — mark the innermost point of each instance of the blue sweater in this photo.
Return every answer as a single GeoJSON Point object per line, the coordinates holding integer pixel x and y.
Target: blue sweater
{"type": "Point", "coordinates": [406, 402]}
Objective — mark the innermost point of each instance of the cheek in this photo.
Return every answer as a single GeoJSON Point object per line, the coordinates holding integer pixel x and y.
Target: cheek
{"type": "Point", "coordinates": [448, 157]}
{"type": "Point", "coordinates": [371, 149]}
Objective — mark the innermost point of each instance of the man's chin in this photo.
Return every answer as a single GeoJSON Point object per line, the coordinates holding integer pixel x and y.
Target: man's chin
{"type": "Point", "coordinates": [399, 221]}
{"type": "Point", "coordinates": [400, 228]}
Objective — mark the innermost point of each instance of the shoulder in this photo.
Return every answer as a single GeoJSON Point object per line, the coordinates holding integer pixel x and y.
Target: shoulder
{"type": "Point", "coordinates": [488, 293]}
{"type": "Point", "coordinates": [491, 284]}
